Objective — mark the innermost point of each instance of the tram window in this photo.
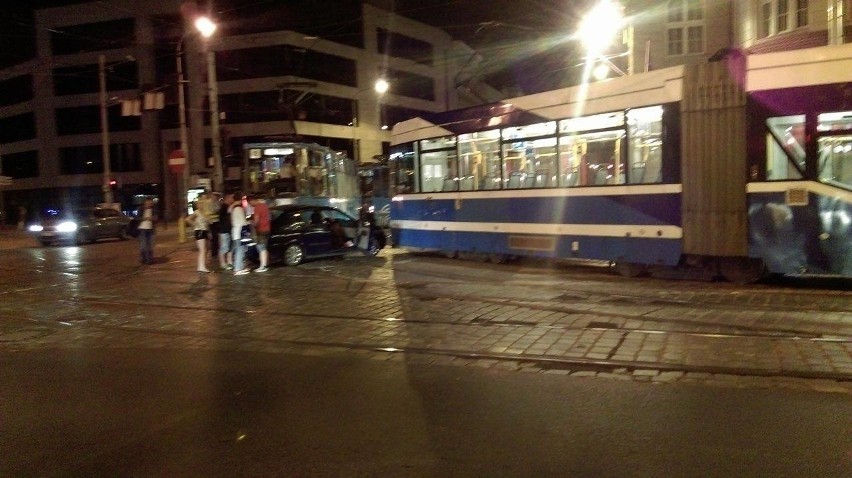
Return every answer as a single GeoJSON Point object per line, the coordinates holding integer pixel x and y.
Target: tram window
{"type": "Point", "coordinates": [316, 174]}
{"type": "Point", "coordinates": [593, 122]}
{"type": "Point", "coordinates": [438, 143]}
{"type": "Point", "coordinates": [529, 131]}
{"type": "Point", "coordinates": [439, 171]}
{"type": "Point", "coordinates": [479, 160]}
{"type": "Point", "coordinates": [785, 147]}
{"type": "Point", "coordinates": [835, 147]}
{"type": "Point", "coordinates": [644, 157]}
{"type": "Point", "coordinates": [835, 159]}
{"type": "Point", "coordinates": [570, 152]}
{"type": "Point", "coordinates": [403, 174]}
{"type": "Point", "coordinates": [591, 159]}
{"type": "Point", "coordinates": [530, 164]}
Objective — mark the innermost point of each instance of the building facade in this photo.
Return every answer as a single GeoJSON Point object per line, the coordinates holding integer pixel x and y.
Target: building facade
{"type": "Point", "coordinates": [311, 75]}
{"type": "Point", "coordinates": [675, 32]}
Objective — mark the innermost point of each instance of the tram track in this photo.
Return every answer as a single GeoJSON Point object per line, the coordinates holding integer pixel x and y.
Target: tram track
{"type": "Point", "coordinates": [736, 332]}
{"type": "Point", "coordinates": [541, 361]}
{"type": "Point", "coordinates": [99, 312]}
{"type": "Point", "coordinates": [420, 291]}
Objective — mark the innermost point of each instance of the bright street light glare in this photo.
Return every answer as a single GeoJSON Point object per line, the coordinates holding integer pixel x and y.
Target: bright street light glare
{"type": "Point", "coordinates": [381, 86]}
{"type": "Point", "coordinates": [600, 72]}
{"type": "Point", "coordinates": [599, 26]}
{"type": "Point", "coordinates": [205, 26]}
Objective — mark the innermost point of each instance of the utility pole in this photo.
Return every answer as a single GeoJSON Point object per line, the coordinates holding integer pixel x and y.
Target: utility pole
{"type": "Point", "coordinates": [107, 190]}
{"type": "Point", "coordinates": [2, 194]}
{"type": "Point", "coordinates": [216, 140]}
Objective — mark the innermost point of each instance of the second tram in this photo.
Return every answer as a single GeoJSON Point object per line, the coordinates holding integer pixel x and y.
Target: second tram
{"type": "Point", "coordinates": [301, 173]}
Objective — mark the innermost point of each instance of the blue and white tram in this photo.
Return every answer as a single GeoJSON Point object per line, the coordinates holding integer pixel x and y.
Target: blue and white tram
{"type": "Point", "coordinates": [741, 166]}
{"type": "Point", "coordinates": [301, 173]}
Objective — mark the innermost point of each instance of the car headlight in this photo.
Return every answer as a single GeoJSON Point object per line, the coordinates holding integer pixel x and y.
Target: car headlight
{"type": "Point", "coordinates": [66, 226]}
{"type": "Point", "coordinates": [36, 228]}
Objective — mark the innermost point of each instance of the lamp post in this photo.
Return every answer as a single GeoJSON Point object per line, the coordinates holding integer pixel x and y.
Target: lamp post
{"type": "Point", "coordinates": [107, 190]}
{"type": "Point", "coordinates": [206, 28]}
{"type": "Point", "coordinates": [380, 87]}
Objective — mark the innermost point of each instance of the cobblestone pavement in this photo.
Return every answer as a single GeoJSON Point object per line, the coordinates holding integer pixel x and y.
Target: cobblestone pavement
{"type": "Point", "coordinates": [532, 317]}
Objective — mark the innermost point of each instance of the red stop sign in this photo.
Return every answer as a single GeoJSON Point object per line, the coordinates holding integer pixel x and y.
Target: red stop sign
{"type": "Point", "coordinates": [177, 161]}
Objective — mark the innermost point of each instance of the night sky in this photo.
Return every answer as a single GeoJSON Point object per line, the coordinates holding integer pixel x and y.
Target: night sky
{"type": "Point", "coordinates": [523, 42]}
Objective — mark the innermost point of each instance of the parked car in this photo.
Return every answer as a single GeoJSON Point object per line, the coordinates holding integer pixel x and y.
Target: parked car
{"type": "Point", "coordinates": [300, 233]}
{"type": "Point", "coordinates": [80, 225]}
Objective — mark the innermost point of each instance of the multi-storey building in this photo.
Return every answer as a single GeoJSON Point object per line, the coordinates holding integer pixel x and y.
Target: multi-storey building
{"type": "Point", "coordinates": [284, 71]}
{"type": "Point", "coordinates": [307, 70]}
{"type": "Point", "coordinates": [675, 32]}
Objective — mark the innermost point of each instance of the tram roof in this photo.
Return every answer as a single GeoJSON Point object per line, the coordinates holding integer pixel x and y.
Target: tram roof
{"type": "Point", "coordinates": [634, 91]}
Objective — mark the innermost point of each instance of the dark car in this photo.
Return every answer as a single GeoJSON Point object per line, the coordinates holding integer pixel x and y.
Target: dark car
{"type": "Point", "coordinates": [302, 232]}
{"type": "Point", "coordinates": [80, 225]}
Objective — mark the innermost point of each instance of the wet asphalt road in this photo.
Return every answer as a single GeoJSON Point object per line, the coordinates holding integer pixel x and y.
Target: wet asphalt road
{"type": "Point", "coordinates": [178, 413]}
{"type": "Point", "coordinates": [409, 366]}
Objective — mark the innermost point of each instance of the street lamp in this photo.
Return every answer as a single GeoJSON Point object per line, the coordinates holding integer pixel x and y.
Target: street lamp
{"type": "Point", "coordinates": [381, 87]}
{"type": "Point", "coordinates": [599, 26]}
{"type": "Point", "coordinates": [206, 27]}
{"type": "Point", "coordinates": [597, 29]}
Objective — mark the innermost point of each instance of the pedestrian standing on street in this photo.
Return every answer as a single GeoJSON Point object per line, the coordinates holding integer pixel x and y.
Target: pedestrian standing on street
{"type": "Point", "coordinates": [226, 256]}
{"type": "Point", "coordinates": [238, 221]}
{"type": "Point", "coordinates": [198, 221]}
{"type": "Point", "coordinates": [147, 220]}
{"type": "Point", "coordinates": [261, 223]}
{"type": "Point", "coordinates": [210, 207]}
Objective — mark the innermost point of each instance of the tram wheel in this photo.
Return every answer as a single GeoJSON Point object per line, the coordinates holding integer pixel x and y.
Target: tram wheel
{"type": "Point", "coordinates": [451, 254]}
{"type": "Point", "coordinates": [498, 258]}
{"type": "Point", "coordinates": [741, 270]}
{"type": "Point", "coordinates": [630, 269]}
{"type": "Point", "coordinates": [473, 256]}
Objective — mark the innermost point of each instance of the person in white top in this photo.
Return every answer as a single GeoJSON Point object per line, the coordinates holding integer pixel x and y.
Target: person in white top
{"type": "Point", "coordinates": [200, 224]}
{"type": "Point", "coordinates": [238, 220]}
{"type": "Point", "coordinates": [147, 219]}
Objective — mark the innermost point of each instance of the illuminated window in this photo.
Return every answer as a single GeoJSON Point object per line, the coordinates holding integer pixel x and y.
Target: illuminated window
{"type": "Point", "coordinates": [439, 165]}
{"type": "Point", "coordinates": [590, 150]}
{"type": "Point", "coordinates": [834, 165]}
{"type": "Point", "coordinates": [645, 153]}
{"type": "Point", "coordinates": [479, 161]}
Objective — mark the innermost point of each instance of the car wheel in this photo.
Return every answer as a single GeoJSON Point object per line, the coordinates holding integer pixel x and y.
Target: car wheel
{"type": "Point", "coordinates": [46, 243]}
{"type": "Point", "coordinates": [123, 235]}
{"type": "Point", "coordinates": [294, 255]}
